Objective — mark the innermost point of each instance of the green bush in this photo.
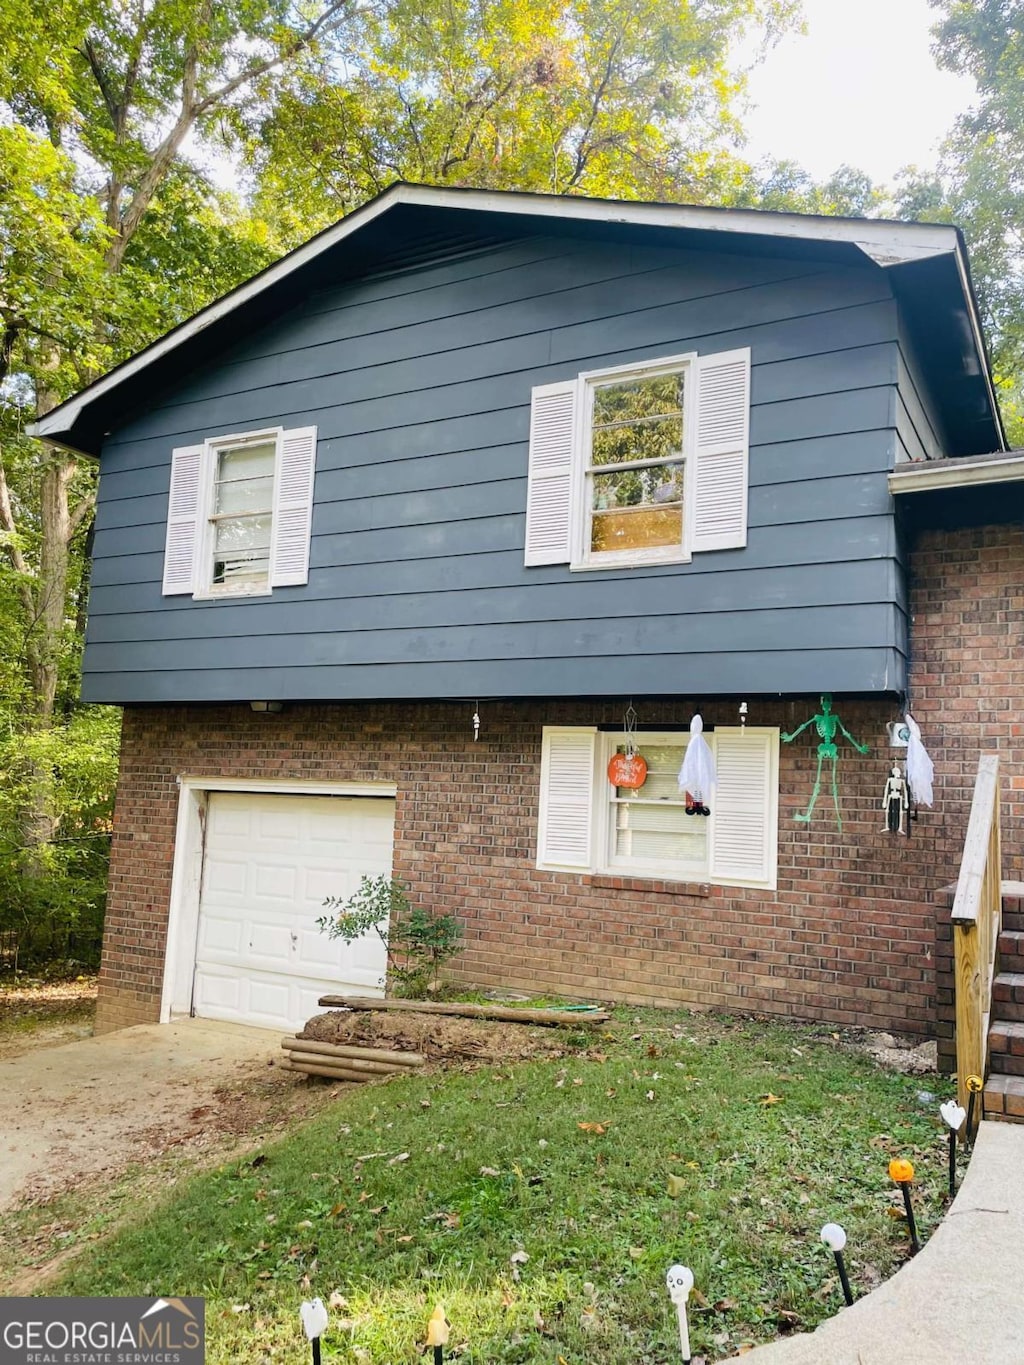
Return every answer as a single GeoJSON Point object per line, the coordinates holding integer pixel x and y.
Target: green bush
{"type": "Point", "coordinates": [417, 943]}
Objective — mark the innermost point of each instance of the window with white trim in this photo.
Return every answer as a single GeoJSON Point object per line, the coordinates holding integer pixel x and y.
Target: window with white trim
{"type": "Point", "coordinates": [587, 825]}
{"type": "Point", "coordinates": [640, 464]}
{"type": "Point", "coordinates": [239, 513]}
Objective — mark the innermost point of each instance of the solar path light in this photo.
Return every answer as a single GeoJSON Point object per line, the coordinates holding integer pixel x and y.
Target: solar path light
{"type": "Point", "coordinates": [314, 1324]}
{"type": "Point", "coordinates": [834, 1237]}
{"type": "Point", "coordinates": [953, 1116]}
{"type": "Point", "coordinates": [437, 1334]}
{"type": "Point", "coordinates": [902, 1173]}
{"type": "Point", "coordinates": [680, 1281]}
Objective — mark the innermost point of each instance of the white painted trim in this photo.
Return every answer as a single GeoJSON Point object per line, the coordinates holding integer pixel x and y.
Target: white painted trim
{"type": "Point", "coordinates": [884, 242]}
{"type": "Point", "coordinates": [924, 475]}
{"type": "Point", "coordinates": [187, 867]}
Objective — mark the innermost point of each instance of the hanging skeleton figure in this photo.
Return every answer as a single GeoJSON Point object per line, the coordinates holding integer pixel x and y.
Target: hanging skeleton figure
{"type": "Point", "coordinates": [697, 776]}
{"type": "Point", "coordinates": [826, 724]}
{"type": "Point", "coordinates": [896, 802]}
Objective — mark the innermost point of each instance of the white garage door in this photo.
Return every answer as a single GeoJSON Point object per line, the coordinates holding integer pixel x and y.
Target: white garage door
{"type": "Point", "coordinates": [270, 862]}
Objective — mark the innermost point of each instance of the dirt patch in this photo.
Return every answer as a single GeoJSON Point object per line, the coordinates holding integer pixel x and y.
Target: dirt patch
{"type": "Point", "coordinates": [441, 1038]}
{"type": "Point", "coordinates": [36, 1014]}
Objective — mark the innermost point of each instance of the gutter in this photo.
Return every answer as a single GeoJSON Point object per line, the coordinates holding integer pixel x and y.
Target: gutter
{"type": "Point", "coordinates": [927, 475]}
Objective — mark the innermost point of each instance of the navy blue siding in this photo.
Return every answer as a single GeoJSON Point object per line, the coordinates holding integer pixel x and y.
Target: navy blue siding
{"type": "Point", "coordinates": [419, 384]}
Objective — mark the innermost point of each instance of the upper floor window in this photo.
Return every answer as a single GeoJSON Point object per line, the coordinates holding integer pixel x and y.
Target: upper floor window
{"type": "Point", "coordinates": [239, 513]}
{"type": "Point", "coordinates": [640, 464]}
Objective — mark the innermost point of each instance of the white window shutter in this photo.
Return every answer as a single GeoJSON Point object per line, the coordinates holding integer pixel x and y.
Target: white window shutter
{"type": "Point", "coordinates": [293, 507]}
{"type": "Point", "coordinates": [721, 443]}
{"type": "Point", "coordinates": [550, 488]}
{"type": "Point", "coordinates": [183, 507]}
{"type": "Point", "coordinates": [565, 838]}
{"type": "Point", "coordinates": [744, 829]}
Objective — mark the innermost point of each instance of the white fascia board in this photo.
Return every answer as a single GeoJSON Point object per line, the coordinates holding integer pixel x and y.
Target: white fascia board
{"type": "Point", "coordinates": [884, 242]}
{"type": "Point", "coordinates": [926, 475]}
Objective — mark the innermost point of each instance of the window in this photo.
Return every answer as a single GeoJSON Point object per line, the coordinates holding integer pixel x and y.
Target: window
{"type": "Point", "coordinates": [640, 464]}
{"type": "Point", "coordinates": [587, 825]}
{"type": "Point", "coordinates": [635, 462]}
{"type": "Point", "coordinates": [239, 514]}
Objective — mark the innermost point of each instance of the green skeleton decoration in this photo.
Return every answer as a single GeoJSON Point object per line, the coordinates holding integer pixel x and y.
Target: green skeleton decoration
{"type": "Point", "coordinates": [826, 725]}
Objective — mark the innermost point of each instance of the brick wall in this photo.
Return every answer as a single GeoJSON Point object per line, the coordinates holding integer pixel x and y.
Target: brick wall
{"type": "Point", "coordinates": [849, 936]}
{"type": "Point", "coordinates": [967, 685]}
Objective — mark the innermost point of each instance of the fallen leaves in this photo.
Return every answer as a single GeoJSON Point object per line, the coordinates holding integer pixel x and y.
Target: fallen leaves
{"type": "Point", "coordinates": [770, 1099]}
{"type": "Point", "coordinates": [598, 1128]}
{"type": "Point", "coordinates": [517, 1259]}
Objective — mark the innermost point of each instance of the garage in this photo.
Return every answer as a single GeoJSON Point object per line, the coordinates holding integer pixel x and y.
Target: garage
{"type": "Point", "coordinates": [268, 863]}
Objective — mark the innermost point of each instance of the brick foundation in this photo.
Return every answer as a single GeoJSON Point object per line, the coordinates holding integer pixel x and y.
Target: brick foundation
{"type": "Point", "coordinates": [850, 936]}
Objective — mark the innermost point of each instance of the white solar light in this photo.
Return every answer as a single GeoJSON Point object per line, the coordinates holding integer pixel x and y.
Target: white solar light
{"type": "Point", "coordinates": [834, 1236]}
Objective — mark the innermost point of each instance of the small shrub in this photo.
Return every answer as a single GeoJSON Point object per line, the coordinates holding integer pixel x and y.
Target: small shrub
{"type": "Point", "coordinates": [417, 943]}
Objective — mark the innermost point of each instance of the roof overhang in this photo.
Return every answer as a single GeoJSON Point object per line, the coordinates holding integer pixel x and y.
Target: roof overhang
{"type": "Point", "coordinates": [904, 249]}
{"type": "Point", "coordinates": [926, 476]}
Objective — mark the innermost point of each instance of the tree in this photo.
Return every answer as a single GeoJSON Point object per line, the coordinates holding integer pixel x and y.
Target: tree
{"type": "Point", "coordinates": [623, 98]}
{"type": "Point", "coordinates": [980, 185]}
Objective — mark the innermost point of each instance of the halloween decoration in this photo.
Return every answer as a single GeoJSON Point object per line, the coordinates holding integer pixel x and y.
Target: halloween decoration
{"type": "Point", "coordinates": [895, 802]}
{"type": "Point", "coordinates": [834, 1237]}
{"type": "Point", "coordinates": [901, 1172]}
{"type": "Point", "coordinates": [920, 768]}
{"type": "Point", "coordinates": [743, 715]}
{"type": "Point", "coordinates": [975, 1085]}
{"type": "Point", "coordinates": [826, 724]}
{"type": "Point", "coordinates": [476, 721]}
{"type": "Point", "coordinates": [438, 1330]}
{"type": "Point", "coordinates": [953, 1116]}
{"type": "Point", "coordinates": [697, 776]}
{"type": "Point", "coordinates": [314, 1323]}
{"type": "Point", "coordinates": [680, 1281]}
{"type": "Point", "coordinates": [629, 768]}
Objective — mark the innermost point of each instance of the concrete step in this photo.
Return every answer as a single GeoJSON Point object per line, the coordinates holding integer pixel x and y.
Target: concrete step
{"type": "Point", "coordinates": [1011, 950]}
{"type": "Point", "coordinates": [1004, 1098]}
{"type": "Point", "coordinates": [1006, 1047]}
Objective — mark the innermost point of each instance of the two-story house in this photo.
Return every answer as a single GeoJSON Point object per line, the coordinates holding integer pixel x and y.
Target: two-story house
{"type": "Point", "coordinates": [391, 539]}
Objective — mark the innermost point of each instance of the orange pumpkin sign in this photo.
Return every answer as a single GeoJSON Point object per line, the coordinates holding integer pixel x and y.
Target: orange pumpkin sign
{"type": "Point", "coordinates": [627, 770]}
{"type": "Point", "coordinates": [901, 1171]}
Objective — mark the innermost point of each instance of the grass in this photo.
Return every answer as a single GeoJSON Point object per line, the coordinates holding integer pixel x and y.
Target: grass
{"type": "Point", "coordinates": [547, 1241]}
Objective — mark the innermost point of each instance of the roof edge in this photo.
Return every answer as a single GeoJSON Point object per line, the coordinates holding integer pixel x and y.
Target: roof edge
{"type": "Point", "coordinates": [884, 242]}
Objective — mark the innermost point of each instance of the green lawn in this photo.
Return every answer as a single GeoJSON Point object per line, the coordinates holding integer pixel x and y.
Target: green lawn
{"type": "Point", "coordinates": [428, 1188]}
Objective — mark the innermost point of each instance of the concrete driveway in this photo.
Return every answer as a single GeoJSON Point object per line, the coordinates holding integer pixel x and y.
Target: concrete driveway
{"type": "Point", "coordinates": [95, 1106]}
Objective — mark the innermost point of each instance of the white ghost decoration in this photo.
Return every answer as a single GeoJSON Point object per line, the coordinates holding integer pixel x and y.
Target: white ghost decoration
{"type": "Point", "coordinates": [920, 768]}
{"type": "Point", "coordinates": [314, 1318]}
{"type": "Point", "coordinates": [834, 1236]}
{"type": "Point", "coordinates": [697, 775]}
{"type": "Point", "coordinates": [953, 1115]}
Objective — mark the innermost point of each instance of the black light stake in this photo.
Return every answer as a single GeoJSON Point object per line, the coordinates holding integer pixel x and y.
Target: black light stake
{"type": "Point", "coordinates": [314, 1324]}
{"type": "Point", "coordinates": [975, 1085]}
{"type": "Point", "coordinates": [902, 1172]}
{"type": "Point", "coordinates": [953, 1116]}
{"type": "Point", "coordinates": [834, 1237]}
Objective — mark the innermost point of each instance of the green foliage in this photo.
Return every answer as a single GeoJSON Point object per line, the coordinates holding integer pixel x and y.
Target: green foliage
{"type": "Point", "coordinates": [469, 1170]}
{"type": "Point", "coordinates": [418, 944]}
{"type": "Point", "coordinates": [60, 912]}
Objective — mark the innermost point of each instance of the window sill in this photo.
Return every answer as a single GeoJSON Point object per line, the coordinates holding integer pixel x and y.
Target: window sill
{"type": "Point", "coordinates": [590, 566]}
{"type": "Point", "coordinates": [230, 596]}
{"type": "Point", "coordinates": [650, 886]}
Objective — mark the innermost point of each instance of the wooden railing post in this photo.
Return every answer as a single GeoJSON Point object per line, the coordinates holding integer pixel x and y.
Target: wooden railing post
{"type": "Point", "coordinates": [976, 916]}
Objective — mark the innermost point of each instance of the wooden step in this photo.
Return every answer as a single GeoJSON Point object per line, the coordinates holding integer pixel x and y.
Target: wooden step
{"type": "Point", "coordinates": [1004, 1098]}
{"type": "Point", "coordinates": [1006, 1047]}
{"type": "Point", "coordinates": [1011, 950]}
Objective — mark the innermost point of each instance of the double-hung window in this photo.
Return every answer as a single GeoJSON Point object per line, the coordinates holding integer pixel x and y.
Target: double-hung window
{"type": "Point", "coordinates": [239, 513]}
{"type": "Point", "coordinates": [640, 464]}
{"type": "Point", "coordinates": [588, 825]}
